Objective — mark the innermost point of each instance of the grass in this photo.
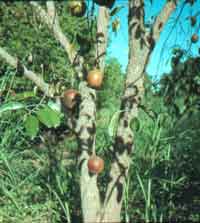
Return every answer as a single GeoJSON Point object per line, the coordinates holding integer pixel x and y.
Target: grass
{"type": "Point", "coordinates": [34, 188]}
{"type": "Point", "coordinates": [39, 183]}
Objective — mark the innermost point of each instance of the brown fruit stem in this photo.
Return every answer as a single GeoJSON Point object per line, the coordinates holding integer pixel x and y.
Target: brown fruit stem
{"type": "Point", "coordinates": [94, 146]}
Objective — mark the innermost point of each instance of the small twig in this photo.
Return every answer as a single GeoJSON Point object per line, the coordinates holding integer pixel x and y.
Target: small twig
{"type": "Point", "coordinates": [94, 146]}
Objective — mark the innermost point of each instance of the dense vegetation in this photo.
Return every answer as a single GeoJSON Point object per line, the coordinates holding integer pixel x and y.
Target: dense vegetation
{"type": "Point", "coordinates": [39, 176]}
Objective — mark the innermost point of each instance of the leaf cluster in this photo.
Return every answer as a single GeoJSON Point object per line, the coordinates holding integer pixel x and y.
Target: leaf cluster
{"type": "Point", "coordinates": [180, 88]}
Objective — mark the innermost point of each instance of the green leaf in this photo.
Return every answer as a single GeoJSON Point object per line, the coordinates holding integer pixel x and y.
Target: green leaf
{"type": "Point", "coordinates": [49, 117]}
{"type": "Point", "coordinates": [11, 106]}
{"type": "Point", "coordinates": [116, 10]}
{"type": "Point", "coordinates": [116, 25]}
{"type": "Point", "coordinates": [31, 126]}
{"type": "Point", "coordinates": [54, 106]}
{"type": "Point", "coordinates": [24, 95]}
{"type": "Point", "coordinates": [180, 103]}
{"type": "Point", "coordinates": [135, 124]}
{"type": "Point", "coordinates": [112, 127]}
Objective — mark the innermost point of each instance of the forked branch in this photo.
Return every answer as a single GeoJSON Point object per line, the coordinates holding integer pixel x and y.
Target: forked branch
{"type": "Point", "coordinates": [39, 82]}
{"type": "Point", "coordinates": [162, 19]}
{"type": "Point", "coordinates": [133, 92]}
{"type": "Point", "coordinates": [50, 18]}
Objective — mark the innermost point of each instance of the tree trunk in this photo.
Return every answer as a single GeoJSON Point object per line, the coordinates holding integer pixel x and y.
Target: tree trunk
{"type": "Point", "coordinates": [102, 36]}
{"type": "Point", "coordinates": [140, 49]}
{"type": "Point", "coordinates": [86, 130]}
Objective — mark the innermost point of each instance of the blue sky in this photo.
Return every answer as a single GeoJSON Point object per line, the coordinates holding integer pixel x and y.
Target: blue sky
{"type": "Point", "coordinates": [179, 37]}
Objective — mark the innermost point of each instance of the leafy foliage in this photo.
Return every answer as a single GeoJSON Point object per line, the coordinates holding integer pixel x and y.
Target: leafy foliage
{"type": "Point", "coordinates": [181, 87]}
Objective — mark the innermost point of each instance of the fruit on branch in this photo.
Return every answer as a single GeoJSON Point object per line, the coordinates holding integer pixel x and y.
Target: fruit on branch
{"type": "Point", "coordinates": [95, 78]}
{"type": "Point", "coordinates": [194, 38]}
{"type": "Point", "coordinates": [95, 164]}
{"type": "Point", "coordinates": [107, 3]}
{"type": "Point", "coordinates": [77, 7]}
{"type": "Point", "coordinates": [70, 98]}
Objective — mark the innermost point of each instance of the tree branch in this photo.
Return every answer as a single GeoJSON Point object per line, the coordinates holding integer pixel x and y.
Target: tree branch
{"type": "Point", "coordinates": [51, 9]}
{"type": "Point", "coordinates": [39, 82]}
{"type": "Point", "coordinates": [85, 129]}
{"type": "Point", "coordinates": [102, 35]}
{"type": "Point", "coordinates": [84, 126]}
{"type": "Point", "coordinates": [162, 19]}
{"type": "Point", "coordinates": [51, 20]}
{"type": "Point", "coordinates": [133, 93]}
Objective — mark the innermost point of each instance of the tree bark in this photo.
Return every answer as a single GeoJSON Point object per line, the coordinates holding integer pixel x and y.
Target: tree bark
{"type": "Point", "coordinates": [102, 35]}
{"type": "Point", "coordinates": [134, 89]}
{"type": "Point", "coordinates": [84, 125]}
{"type": "Point", "coordinates": [86, 130]}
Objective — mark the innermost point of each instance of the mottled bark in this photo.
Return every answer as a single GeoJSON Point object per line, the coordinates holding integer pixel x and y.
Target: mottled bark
{"type": "Point", "coordinates": [133, 93]}
{"type": "Point", "coordinates": [86, 130]}
{"type": "Point", "coordinates": [84, 125]}
{"type": "Point", "coordinates": [102, 35]}
{"type": "Point", "coordinates": [130, 100]}
{"type": "Point", "coordinates": [162, 18]}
